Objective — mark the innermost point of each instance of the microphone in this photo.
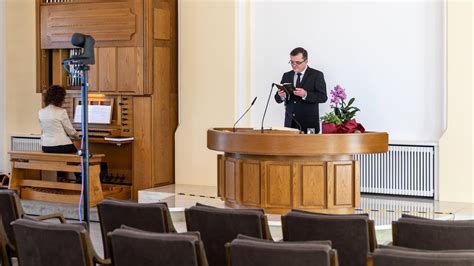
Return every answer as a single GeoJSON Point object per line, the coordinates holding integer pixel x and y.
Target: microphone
{"type": "Point", "coordinates": [248, 109]}
{"type": "Point", "coordinates": [266, 106]}
{"type": "Point", "coordinates": [296, 121]}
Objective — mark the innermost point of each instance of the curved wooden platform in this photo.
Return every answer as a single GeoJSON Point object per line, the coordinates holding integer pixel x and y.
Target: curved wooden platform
{"type": "Point", "coordinates": [281, 170]}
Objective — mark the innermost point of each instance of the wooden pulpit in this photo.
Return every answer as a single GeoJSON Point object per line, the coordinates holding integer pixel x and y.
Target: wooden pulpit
{"type": "Point", "coordinates": [280, 170]}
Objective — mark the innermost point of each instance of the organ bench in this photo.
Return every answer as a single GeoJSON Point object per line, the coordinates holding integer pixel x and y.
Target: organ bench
{"type": "Point", "coordinates": [27, 179]}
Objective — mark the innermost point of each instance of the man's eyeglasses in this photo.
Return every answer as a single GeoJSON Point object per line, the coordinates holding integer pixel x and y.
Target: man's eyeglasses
{"type": "Point", "coordinates": [296, 62]}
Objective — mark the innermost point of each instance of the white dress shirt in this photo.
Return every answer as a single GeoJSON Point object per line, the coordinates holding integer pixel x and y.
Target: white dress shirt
{"type": "Point", "coordinates": [55, 126]}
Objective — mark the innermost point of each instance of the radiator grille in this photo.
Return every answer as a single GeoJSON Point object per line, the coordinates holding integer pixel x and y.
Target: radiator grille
{"type": "Point", "coordinates": [406, 170]}
{"type": "Point", "coordinates": [26, 143]}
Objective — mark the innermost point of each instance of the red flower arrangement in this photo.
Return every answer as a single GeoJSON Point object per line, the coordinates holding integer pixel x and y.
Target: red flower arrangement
{"type": "Point", "coordinates": [341, 118]}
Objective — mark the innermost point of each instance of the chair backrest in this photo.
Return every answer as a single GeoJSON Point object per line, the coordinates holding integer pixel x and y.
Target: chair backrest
{"type": "Point", "coordinates": [373, 244]}
{"type": "Point", "coordinates": [140, 248]}
{"type": "Point", "coordinates": [219, 226]}
{"type": "Point", "coordinates": [245, 250]}
{"type": "Point", "coordinates": [152, 217]}
{"type": "Point", "coordinates": [349, 234]}
{"type": "Point", "coordinates": [396, 257]}
{"type": "Point", "coordinates": [47, 244]}
{"type": "Point", "coordinates": [421, 233]}
{"type": "Point", "coordinates": [5, 246]}
{"type": "Point", "coordinates": [10, 210]}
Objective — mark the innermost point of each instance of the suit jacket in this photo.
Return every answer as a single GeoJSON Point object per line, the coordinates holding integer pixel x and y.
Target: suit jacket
{"type": "Point", "coordinates": [306, 112]}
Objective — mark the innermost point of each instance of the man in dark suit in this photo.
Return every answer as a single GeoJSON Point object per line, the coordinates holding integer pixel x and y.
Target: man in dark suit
{"type": "Point", "coordinates": [303, 104]}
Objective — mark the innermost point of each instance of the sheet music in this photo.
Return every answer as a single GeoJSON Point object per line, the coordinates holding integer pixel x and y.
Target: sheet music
{"type": "Point", "coordinates": [98, 114]}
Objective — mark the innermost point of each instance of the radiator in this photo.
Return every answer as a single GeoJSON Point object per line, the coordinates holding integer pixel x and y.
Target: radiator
{"type": "Point", "coordinates": [407, 170]}
{"type": "Point", "coordinates": [26, 143]}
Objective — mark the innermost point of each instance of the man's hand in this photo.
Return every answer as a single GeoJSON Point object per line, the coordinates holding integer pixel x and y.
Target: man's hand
{"type": "Point", "coordinates": [282, 93]}
{"type": "Point", "coordinates": [300, 92]}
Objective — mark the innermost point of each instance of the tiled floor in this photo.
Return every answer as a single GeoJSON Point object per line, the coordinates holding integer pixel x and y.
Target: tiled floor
{"type": "Point", "coordinates": [382, 209]}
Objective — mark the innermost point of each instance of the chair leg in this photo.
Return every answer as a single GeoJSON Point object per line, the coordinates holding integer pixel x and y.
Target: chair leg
{"type": "Point", "coordinates": [4, 256]}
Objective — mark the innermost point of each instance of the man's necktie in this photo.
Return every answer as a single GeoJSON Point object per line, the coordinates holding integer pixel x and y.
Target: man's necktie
{"type": "Point", "coordinates": [298, 80]}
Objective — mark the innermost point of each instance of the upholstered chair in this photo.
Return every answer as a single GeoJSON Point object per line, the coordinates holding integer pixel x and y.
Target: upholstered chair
{"type": "Point", "coordinates": [246, 250]}
{"type": "Point", "coordinates": [427, 234]}
{"type": "Point", "coordinates": [219, 226]}
{"type": "Point", "coordinates": [11, 210]}
{"type": "Point", "coordinates": [141, 248]}
{"type": "Point", "coordinates": [48, 244]}
{"type": "Point", "coordinates": [152, 217]}
{"type": "Point", "coordinates": [350, 234]}
{"type": "Point", "coordinates": [414, 257]}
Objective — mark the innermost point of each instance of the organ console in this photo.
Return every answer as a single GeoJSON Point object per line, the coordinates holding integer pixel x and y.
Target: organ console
{"type": "Point", "coordinates": [136, 58]}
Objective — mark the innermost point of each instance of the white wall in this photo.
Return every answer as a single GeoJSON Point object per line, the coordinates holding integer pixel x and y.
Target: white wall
{"type": "Point", "coordinates": [3, 140]}
{"type": "Point", "coordinates": [387, 54]}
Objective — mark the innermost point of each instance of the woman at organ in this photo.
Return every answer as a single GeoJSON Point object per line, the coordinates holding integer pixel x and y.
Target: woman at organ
{"type": "Point", "coordinates": [57, 130]}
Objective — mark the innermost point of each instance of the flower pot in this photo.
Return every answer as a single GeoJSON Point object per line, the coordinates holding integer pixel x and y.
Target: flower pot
{"type": "Point", "coordinates": [328, 128]}
{"type": "Point", "coordinates": [349, 127]}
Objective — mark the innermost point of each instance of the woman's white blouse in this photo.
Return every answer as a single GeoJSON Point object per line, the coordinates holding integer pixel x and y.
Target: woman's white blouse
{"type": "Point", "coordinates": [56, 126]}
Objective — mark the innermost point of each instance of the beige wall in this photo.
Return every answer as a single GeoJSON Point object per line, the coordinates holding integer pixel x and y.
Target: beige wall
{"type": "Point", "coordinates": [2, 87]}
{"type": "Point", "coordinates": [207, 84]}
{"type": "Point", "coordinates": [456, 158]}
{"type": "Point", "coordinates": [22, 102]}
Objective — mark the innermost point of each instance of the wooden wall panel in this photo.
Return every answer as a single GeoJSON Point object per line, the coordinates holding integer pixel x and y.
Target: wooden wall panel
{"type": "Point", "coordinates": [344, 183]}
{"type": "Point", "coordinates": [312, 183]}
{"type": "Point", "coordinates": [162, 23]}
{"type": "Point", "coordinates": [44, 70]}
{"type": "Point", "coordinates": [250, 186]}
{"type": "Point", "coordinates": [279, 180]}
{"type": "Point", "coordinates": [341, 191]}
{"type": "Point", "coordinates": [93, 74]}
{"type": "Point", "coordinates": [220, 175]}
{"type": "Point", "coordinates": [356, 184]}
{"type": "Point", "coordinates": [130, 69]}
{"type": "Point", "coordinates": [107, 69]}
{"type": "Point", "coordinates": [59, 75]}
{"type": "Point", "coordinates": [230, 173]}
{"type": "Point", "coordinates": [163, 126]}
{"type": "Point", "coordinates": [142, 145]}
{"type": "Point", "coordinates": [111, 24]}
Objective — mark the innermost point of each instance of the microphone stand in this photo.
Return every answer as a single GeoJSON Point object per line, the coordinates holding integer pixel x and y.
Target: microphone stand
{"type": "Point", "coordinates": [266, 106]}
{"type": "Point", "coordinates": [84, 152]}
{"type": "Point", "coordinates": [248, 109]}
